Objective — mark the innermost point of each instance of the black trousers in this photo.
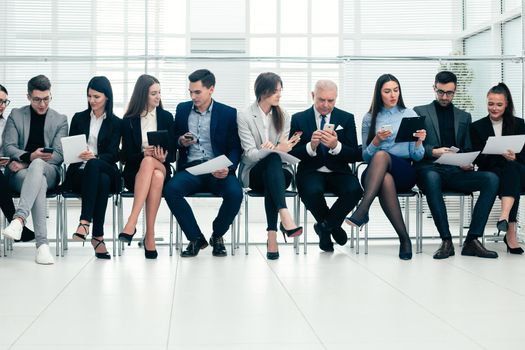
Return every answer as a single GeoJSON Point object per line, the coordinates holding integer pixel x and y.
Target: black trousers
{"type": "Point", "coordinates": [512, 182]}
{"type": "Point", "coordinates": [269, 177]}
{"type": "Point", "coordinates": [6, 198]}
{"type": "Point", "coordinates": [312, 186]}
{"type": "Point", "coordinates": [94, 184]}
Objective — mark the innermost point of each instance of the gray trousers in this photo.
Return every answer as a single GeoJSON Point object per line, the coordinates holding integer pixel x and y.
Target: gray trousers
{"type": "Point", "coordinates": [32, 184]}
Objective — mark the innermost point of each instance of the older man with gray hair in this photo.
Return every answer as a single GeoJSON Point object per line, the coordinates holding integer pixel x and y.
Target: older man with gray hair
{"type": "Point", "coordinates": [328, 143]}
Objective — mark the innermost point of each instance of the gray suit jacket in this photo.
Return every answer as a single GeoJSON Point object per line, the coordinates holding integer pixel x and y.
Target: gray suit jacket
{"type": "Point", "coordinates": [16, 133]}
{"type": "Point", "coordinates": [252, 135]}
{"type": "Point", "coordinates": [462, 122]}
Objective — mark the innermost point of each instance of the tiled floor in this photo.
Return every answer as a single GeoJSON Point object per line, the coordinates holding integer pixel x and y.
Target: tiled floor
{"type": "Point", "coordinates": [314, 301]}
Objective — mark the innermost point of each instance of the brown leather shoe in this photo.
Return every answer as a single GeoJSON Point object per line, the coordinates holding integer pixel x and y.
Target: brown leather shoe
{"type": "Point", "coordinates": [475, 248]}
{"type": "Point", "coordinates": [445, 250]}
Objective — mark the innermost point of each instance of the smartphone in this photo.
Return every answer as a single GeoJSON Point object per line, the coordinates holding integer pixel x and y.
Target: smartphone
{"type": "Point", "coordinates": [329, 127]}
{"type": "Point", "coordinates": [454, 149]}
{"type": "Point", "coordinates": [4, 158]}
{"type": "Point", "coordinates": [387, 127]}
{"type": "Point", "coordinates": [48, 150]}
{"type": "Point", "coordinates": [188, 137]}
{"type": "Point", "coordinates": [297, 134]}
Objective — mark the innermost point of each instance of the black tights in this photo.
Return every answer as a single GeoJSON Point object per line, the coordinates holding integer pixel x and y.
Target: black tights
{"type": "Point", "coordinates": [379, 182]}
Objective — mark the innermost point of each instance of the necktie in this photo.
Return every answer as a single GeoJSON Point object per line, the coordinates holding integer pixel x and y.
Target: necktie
{"type": "Point", "coordinates": [324, 149]}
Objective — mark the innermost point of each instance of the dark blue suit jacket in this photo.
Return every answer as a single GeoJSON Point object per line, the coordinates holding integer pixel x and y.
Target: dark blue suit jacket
{"type": "Point", "coordinates": [223, 129]}
{"type": "Point", "coordinates": [131, 154]}
{"type": "Point", "coordinates": [305, 121]}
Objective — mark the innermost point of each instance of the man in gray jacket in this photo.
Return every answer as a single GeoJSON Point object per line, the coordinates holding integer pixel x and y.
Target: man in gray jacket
{"type": "Point", "coordinates": [448, 131]}
{"type": "Point", "coordinates": [32, 141]}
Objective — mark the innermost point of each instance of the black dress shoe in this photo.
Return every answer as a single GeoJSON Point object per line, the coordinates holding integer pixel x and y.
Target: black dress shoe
{"type": "Point", "coordinates": [194, 246]}
{"type": "Point", "coordinates": [405, 249]}
{"type": "Point", "coordinates": [325, 242]}
{"type": "Point", "coordinates": [339, 235]}
{"type": "Point", "coordinates": [445, 250]}
{"type": "Point", "coordinates": [475, 248]}
{"type": "Point", "coordinates": [271, 255]}
{"type": "Point", "coordinates": [27, 235]}
{"type": "Point", "coordinates": [218, 246]}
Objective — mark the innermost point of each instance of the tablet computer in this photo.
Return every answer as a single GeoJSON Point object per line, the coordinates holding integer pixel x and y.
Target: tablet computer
{"type": "Point", "coordinates": [408, 127]}
{"type": "Point", "coordinates": [159, 138]}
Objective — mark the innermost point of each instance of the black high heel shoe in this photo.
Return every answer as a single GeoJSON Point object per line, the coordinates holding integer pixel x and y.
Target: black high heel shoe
{"type": "Point", "coordinates": [405, 248]}
{"type": "Point", "coordinates": [81, 237]}
{"type": "Point", "coordinates": [350, 220]}
{"type": "Point", "coordinates": [104, 255]}
{"type": "Point", "coordinates": [149, 254]}
{"type": "Point", "coordinates": [125, 237]}
{"type": "Point", "coordinates": [271, 255]}
{"type": "Point", "coordinates": [518, 250]}
{"type": "Point", "coordinates": [291, 233]}
{"type": "Point", "coordinates": [502, 225]}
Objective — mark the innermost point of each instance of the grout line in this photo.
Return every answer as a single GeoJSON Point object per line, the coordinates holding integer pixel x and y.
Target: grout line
{"type": "Point", "coordinates": [175, 253]}
{"type": "Point", "coordinates": [292, 299]}
{"type": "Point", "coordinates": [50, 303]}
{"type": "Point", "coordinates": [411, 298]}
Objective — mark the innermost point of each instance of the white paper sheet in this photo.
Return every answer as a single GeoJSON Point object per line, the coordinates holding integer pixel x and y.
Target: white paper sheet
{"type": "Point", "coordinates": [457, 159]}
{"type": "Point", "coordinates": [500, 144]}
{"type": "Point", "coordinates": [72, 146]}
{"type": "Point", "coordinates": [285, 157]}
{"type": "Point", "coordinates": [210, 166]}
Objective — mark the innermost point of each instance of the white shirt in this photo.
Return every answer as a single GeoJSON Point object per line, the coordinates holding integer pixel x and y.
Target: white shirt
{"type": "Point", "coordinates": [267, 121]}
{"type": "Point", "coordinates": [334, 151]}
{"type": "Point", "coordinates": [94, 129]}
{"type": "Point", "coordinates": [497, 126]}
{"type": "Point", "coordinates": [2, 127]}
{"type": "Point", "coordinates": [148, 122]}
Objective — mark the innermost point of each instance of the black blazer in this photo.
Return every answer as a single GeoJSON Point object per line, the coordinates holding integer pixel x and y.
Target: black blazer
{"type": "Point", "coordinates": [107, 143]}
{"type": "Point", "coordinates": [479, 134]}
{"type": "Point", "coordinates": [131, 154]}
{"type": "Point", "coordinates": [305, 121]}
{"type": "Point", "coordinates": [223, 129]}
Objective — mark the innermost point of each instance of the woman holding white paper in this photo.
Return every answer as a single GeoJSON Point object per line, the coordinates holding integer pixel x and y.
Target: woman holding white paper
{"type": "Point", "coordinates": [389, 163]}
{"type": "Point", "coordinates": [147, 168]}
{"type": "Point", "coordinates": [265, 125]}
{"type": "Point", "coordinates": [509, 166]}
{"type": "Point", "coordinates": [97, 175]}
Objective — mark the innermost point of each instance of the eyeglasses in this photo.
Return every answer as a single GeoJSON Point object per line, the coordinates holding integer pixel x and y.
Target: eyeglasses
{"type": "Point", "coordinates": [5, 102]}
{"type": "Point", "coordinates": [39, 100]}
{"type": "Point", "coordinates": [441, 93]}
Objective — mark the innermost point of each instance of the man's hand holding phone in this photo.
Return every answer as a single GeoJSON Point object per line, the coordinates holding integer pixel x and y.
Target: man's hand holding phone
{"type": "Point", "coordinates": [329, 136]}
{"type": "Point", "coordinates": [44, 153]}
{"type": "Point", "coordinates": [187, 139]}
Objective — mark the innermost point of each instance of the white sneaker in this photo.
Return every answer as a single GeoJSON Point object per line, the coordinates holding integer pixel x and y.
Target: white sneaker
{"type": "Point", "coordinates": [13, 230]}
{"type": "Point", "coordinates": [43, 255]}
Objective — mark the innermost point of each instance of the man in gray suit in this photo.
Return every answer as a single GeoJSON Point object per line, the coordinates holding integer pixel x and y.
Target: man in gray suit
{"type": "Point", "coordinates": [448, 131]}
{"type": "Point", "coordinates": [32, 140]}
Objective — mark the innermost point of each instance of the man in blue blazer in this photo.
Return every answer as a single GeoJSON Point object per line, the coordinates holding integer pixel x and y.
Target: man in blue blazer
{"type": "Point", "coordinates": [325, 155]}
{"type": "Point", "coordinates": [204, 129]}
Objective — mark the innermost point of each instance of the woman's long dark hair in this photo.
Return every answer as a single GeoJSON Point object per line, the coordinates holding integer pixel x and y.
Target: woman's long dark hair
{"type": "Point", "coordinates": [377, 102]}
{"type": "Point", "coordinates": [508, 114]}
{"type": "Point", "coordinates": [102, 84]}
{"type": "Point", "coordinates": [139, 99]}
{"type": "Point", "coordinates": [266, 85]}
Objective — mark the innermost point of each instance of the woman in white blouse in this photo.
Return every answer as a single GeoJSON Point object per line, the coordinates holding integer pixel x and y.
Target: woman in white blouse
{"type": "Point", "coordinates": [264, 125]}
{"type": "Point", "coordinates": [147, 168]}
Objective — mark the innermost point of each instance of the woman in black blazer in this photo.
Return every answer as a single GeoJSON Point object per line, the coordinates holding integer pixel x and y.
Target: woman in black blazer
{"type": "Point", "coordinates": [97, 176]}
{"type": "Point", "coordinates": [147, 167]}
{"type": "Point", "coordinates": [509, 166]}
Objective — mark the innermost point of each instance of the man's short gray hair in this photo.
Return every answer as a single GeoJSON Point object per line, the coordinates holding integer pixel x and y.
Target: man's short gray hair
{"type": "Point", "coordinates": [325, 84]}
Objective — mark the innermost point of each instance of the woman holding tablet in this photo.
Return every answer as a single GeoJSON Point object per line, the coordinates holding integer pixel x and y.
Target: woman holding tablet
{"type": "Point", "coordinates": [389, 168]}
{"type": "Point", "coordinates": [97, 176]}
{"type": "Point", "coordinates": [146, 167]}
{"type": "Point", "coordinates": [509, 166]}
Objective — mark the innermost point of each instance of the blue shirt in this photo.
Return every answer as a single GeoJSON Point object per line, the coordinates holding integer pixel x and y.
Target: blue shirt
{"type": "Point", "coordinates": [199, 125]}
{"type": "Point", "coordinates": [392, 117]}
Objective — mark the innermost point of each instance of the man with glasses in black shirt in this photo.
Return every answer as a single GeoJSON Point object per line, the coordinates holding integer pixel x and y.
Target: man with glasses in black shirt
{"type": "Point", "coordinates": [32, 140]}
{"type": "Point", "coordinates": [448, 131]}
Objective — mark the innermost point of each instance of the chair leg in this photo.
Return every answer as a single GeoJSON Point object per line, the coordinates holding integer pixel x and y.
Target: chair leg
{"type": "Point", "coordinates": [233, 233]}
{"type": "Point", "coordinates": [115, 224]}
{"type": "Point", "coordinates": [305, 229]}
{"type": "Point", "coordinates": [120, 222]}
{"type": "Point", "coordinates": [246, 224]}
{"type": "Point", "coordinates": [171, 234]}
{"type": "Point", "coordinates": [296, 211]}
{"type": "Point", "coordinates": [366, 239]}
{"type": "Point", "coordinates": [461, 219]}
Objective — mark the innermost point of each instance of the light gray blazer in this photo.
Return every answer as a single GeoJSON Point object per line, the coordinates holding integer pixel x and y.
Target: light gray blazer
{"type": "Point", "coordinates": [252, 135]}
{"type": "Point", "coordinates": [16, 133]}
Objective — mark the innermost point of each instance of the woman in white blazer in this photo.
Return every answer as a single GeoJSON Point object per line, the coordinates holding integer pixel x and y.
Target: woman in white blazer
{"type": "Point", "coordinates": [264, 125]}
